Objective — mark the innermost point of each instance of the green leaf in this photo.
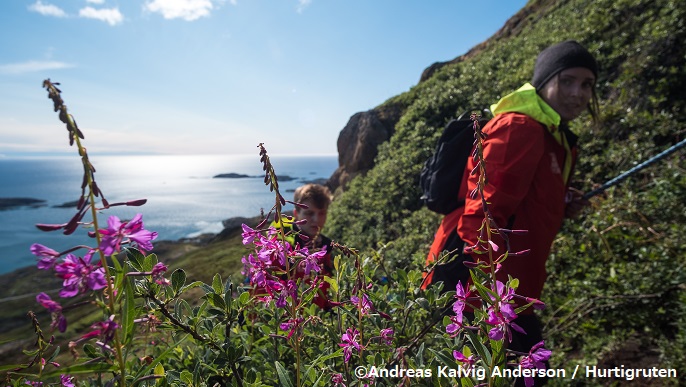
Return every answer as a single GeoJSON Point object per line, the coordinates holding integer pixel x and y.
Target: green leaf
{"type": "Point", "coordinates": [479, 346]}
{"type": "Point", "coordinates": [54, 354]}
{"type": "Point", "coordinates": [206, 288]}
{"type": "Point", "coordinates": [191, 285]}
{"type": "Point", "coordinates": [7, 367]}
{"type": "Point", "coordinates": [283, 375]}
{"type": "Point", "coordinates": [228, 298]}
{"type": "Point", "coordinates": [333, 283]}
{"type": "Point", "coordinates": [135, 258]}
{"type": "Point", "coordinates": [423, 303]}
{"type": "Point", "coordinates": [323, 358]}
{"type": "Point", "coordinates": [186, 377]}
{"type": "Point", "coordinates": [150, 262]}
{"type": "Point", "coordinates": [159, 358]}
{"type": "Point", "coordinates": [420, 355]}
{"type": "Point", "coordinates": [115, 263]}
{"type": "Point", "coordinates": [90, 351]}
{"type": "Point", "coordinates": [485, 293]}
{"type": "Point", "coordinates": [217, 284]}
{"type": "Point", "coordinates": [128, 311]}
{"type": "Point", "coordinates": [243, 299]}
{"type": "Point", "coordinates": [514, 283]}
{"type": "Point", "coordinates": [228, 285]}
{"type": "Point", "coordinates": [216, 300]}
{"type": "Point", "coordinates": [178, 279]}
{"type": "Point", "coordinates": [402, 275]}
{"type": "Point", "coordinates": [81, 369]}
{"type": "Point", "coordinates": [446, 359]}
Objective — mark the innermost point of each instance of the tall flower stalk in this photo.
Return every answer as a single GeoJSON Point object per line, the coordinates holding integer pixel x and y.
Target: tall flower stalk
{"type": "Point", "coordinates": [497, 313]}
{"type": "Point", "coordinates": [89, 191]}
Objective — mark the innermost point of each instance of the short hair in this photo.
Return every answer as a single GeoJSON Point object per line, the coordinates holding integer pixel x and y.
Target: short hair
{"type": "Point", "coordinates": [318, 194]}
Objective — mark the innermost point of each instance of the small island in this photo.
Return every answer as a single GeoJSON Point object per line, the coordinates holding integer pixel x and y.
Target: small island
{"type": "Point", "coordinates": [71, 204]}
{"type": "Point", "coordinates": [233, 175]}
{"type": "Point", "coordinates": [11, 203]}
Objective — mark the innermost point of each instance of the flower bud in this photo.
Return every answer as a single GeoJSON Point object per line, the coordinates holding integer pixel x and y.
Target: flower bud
{"type": "Point", "coordinates": [136, 203]}
{"type": "Point", "coordinates": [49, 227]}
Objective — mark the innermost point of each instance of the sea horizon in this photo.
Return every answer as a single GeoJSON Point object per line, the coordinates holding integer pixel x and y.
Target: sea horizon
{"type": "Point", "coordinates": [185, 199]}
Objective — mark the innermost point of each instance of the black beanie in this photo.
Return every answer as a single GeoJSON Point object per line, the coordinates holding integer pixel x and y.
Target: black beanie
{"type": "Point", "coordinates": [559, 57]}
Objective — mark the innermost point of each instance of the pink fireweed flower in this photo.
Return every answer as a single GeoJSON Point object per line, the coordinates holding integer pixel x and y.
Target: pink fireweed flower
{"type": "Point", "coordinates": [469, 361]}
{"type": "Point", "coordinates": [48, 303]}
{"type": "Point", "coordinates": [349, 342]}
{"type": "Point", "coordinates": [55, 309]}
{"type": "Point", "coordinates": [454, 327]}
{"type": "Point", "coordinates": [337, 380]}
{"type": "Point", "coordinates": [158, 274]}
{"type": "Point", "coordinates": [386, 336]}
{"type": "Point", "coordinates": [67, 381]}
{"type": "Point", "coordinates": [536, 359]}
{"type": "Point", "coordinates": [502, 324]}
{"type": "Point", "coordinates": [273, 251]}
{"type": "Point", "coordinates": [461, 295]}
{"type": "Point", "coordinates": [47, 256]}
{"type": "Point", "coordinates": [505, 295]}
{"type": "Point", "coordinates": [254, 269]}
{"type": "Point", "coordinates": [537, 304]}
{"type": "Point", "coordinates": [119, 232]}
{"type": "Point", "coordinates": [363, 304]}
{"type": "Point", "coordinates": [248, 234]}
{"type": "Point", "coordinates": [289, 289]}
{"type": "Point", "coordinates": [79, 276]}
{"type": "Point", "coordinates": [291, 326]}
{"type": "Point", "coordinates": [44, 362]}
{"type": "Point", "coordinates": [312, 262]}
{"type": "Point", "coordinates": [105, 330]}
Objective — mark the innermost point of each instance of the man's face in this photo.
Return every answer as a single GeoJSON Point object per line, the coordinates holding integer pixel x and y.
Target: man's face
{"type": "Point", "coordinates": [569, 92]}
{"type": "Point", "coordinates": [315, 217]}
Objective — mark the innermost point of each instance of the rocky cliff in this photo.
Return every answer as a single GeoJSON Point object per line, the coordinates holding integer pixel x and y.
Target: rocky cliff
{"type": "Point", "coordinates": [359, 140]}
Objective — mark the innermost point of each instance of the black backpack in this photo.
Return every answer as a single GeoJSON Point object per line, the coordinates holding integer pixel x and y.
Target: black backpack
{"type": "Point", "coordinates": [441, 175]}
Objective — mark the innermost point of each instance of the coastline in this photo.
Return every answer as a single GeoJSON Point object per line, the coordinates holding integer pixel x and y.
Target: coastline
{"type": "Point", "coordinates": [166, 250]}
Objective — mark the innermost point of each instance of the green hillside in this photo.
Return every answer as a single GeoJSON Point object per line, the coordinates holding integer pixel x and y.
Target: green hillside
{"type": "Point", "coordinates": [616, 292]}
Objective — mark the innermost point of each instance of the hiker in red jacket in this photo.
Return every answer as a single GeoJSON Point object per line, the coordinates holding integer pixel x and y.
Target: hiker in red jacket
{"type": "Point", "coordinates": [530, 155]}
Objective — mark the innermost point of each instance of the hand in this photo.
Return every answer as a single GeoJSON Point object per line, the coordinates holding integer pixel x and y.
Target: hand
{"type": "Point", "coordinates": [575, 203]}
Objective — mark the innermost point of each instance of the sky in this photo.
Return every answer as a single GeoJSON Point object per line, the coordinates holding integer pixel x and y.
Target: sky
{"type": "Point", "coordinates": [219, 76]}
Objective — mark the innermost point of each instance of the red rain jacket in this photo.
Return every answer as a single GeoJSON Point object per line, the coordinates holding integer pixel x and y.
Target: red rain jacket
{"type": "Point", "coordinates": [526, 190]}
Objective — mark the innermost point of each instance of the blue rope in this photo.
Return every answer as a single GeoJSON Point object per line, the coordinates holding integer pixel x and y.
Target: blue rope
{"type": "Point", "coordinates": [635, 169]}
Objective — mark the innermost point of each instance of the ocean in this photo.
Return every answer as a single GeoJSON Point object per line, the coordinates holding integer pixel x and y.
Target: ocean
{"type": "Point", "coordinates": [184, 198]}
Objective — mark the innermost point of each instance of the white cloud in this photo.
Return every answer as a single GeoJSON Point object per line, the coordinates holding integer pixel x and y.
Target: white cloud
{"type": "Point", "coordinates": [47, 9]}
{"type": "Point", "coordinates": [32, 66]}
{"type": "Point", "coordinates": [188, 10]}
{"type": "Point", "coordinates": [111, 16]}
{"type": "Point", "coordinates": [302, 4]}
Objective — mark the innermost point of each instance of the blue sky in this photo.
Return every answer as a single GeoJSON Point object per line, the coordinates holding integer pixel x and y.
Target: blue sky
{"type": "Point", "coordinates": [219, 76]}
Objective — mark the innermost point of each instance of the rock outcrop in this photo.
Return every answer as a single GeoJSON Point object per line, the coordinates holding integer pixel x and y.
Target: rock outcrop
{"type": "Point", "coordinates": [358, 142]}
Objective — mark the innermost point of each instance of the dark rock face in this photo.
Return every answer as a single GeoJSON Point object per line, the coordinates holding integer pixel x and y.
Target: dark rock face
{"type": "Point", "coordinates": [358, 142]}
